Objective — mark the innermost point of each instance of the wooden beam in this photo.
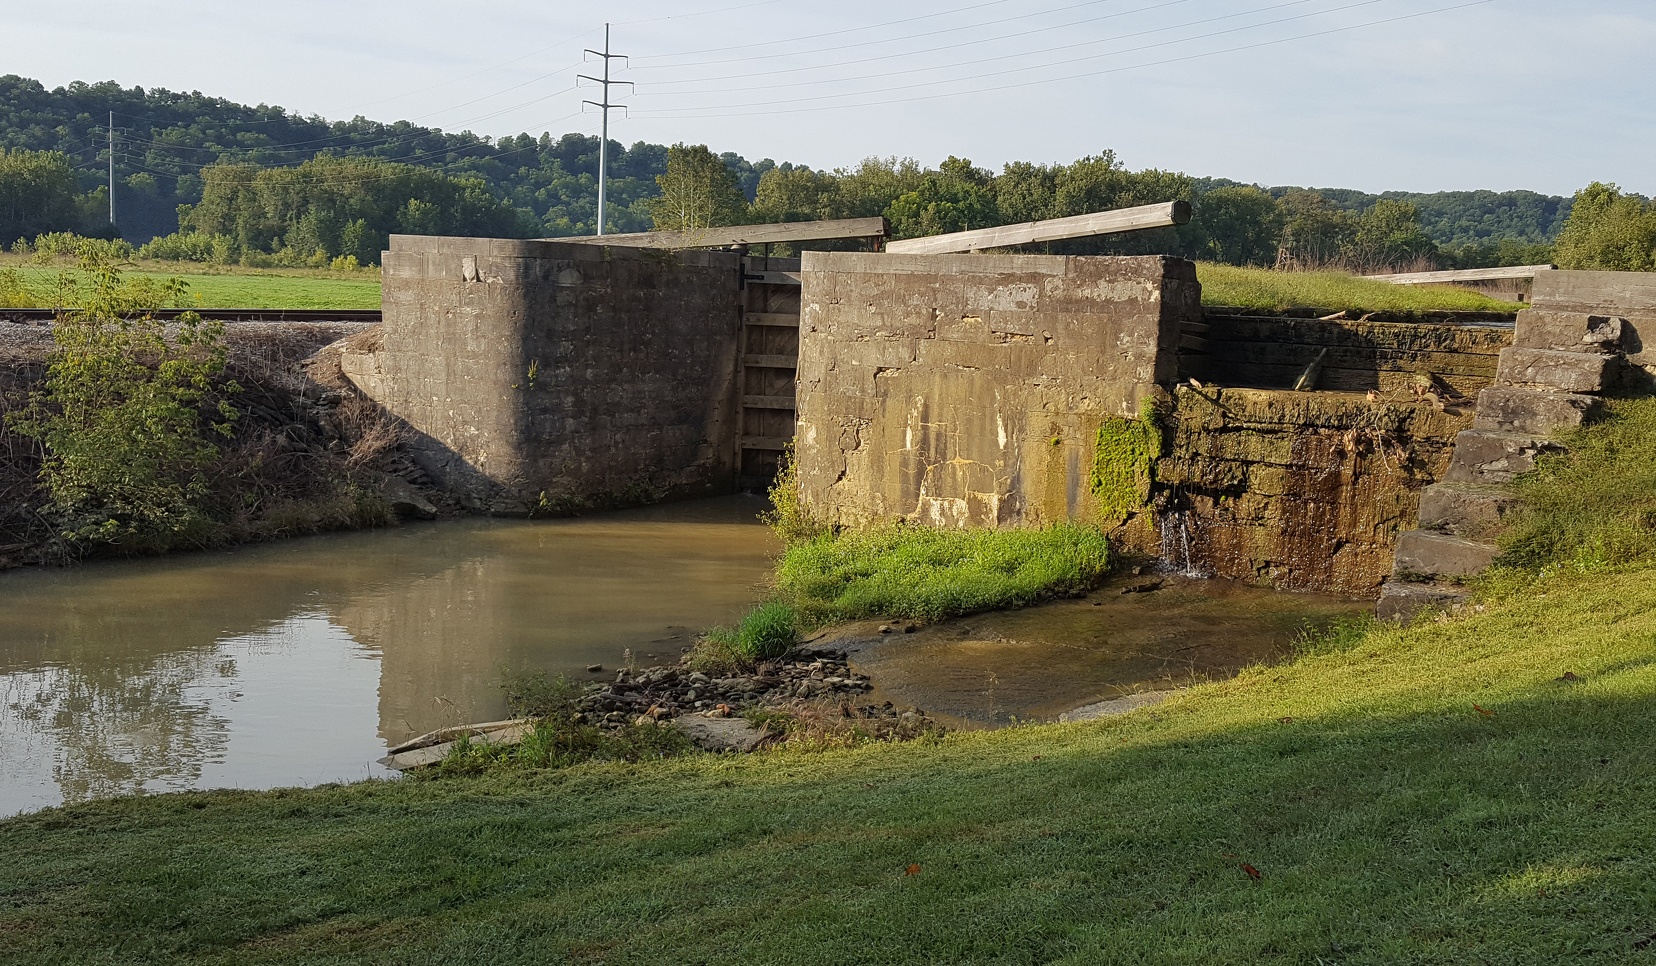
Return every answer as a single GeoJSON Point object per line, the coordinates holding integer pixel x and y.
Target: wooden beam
{"type": "Point", "coordinates": [766, 442]}
{"type": "Point", "coordinates": [791, 231]}
{"type": "Point", "coordinates": [1464, 275]}
{"type": "Point", "coordinates": [771, 361]}
{"type": "Point", "coordinates": [786, 320]}
{"type": "Point", "coordinates": [1057, 229]}
{"type": "Point", "coordinates": [769, 402]}
{"type": "Point", "coordinates": [773, 278]}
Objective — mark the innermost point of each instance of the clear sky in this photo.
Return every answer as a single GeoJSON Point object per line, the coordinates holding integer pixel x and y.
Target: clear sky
{"type": "Point", "coordinates": [1419, 95]}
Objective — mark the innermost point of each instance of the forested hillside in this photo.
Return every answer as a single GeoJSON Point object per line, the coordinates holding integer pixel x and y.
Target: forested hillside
{"type": "Point", "coordinates": [259, 184]}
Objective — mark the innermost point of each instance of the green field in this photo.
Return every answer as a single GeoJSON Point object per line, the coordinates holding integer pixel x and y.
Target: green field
{"type": "Point", "coordinates": [1252, 288]}
{"type": "Point", "coordinates": [244, 289]}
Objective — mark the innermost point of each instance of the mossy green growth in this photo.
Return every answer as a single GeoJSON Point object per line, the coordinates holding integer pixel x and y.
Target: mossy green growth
{"type": "Point", "coordinates": [1124, 464]}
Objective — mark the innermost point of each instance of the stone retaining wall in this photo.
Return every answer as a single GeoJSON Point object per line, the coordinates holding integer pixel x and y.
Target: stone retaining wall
{"type": "Point", "coordinates": [549, 375]}
{"type": "Point", "coordinates": [968, 390]}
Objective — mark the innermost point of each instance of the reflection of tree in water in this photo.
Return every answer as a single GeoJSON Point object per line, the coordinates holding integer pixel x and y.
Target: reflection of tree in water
{"type": "Point", "coordinates": [118, 728]}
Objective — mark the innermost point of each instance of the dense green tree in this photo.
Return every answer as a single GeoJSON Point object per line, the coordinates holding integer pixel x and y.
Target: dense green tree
{"type": "Point", "coordinates": [1608, 231]}
{"type": "Point", "coordinates": [1314, 233]}
{"type": "Point", "coordinates": [1239, 225]}
{"type": "Point", "coordinates": [869, 189]}
{"type": "Point", "coordinates": [37, 194]}
{"type": "Point", "coordinates": [789, 193]}
{"type": "Point", "coordinates": [957, 197]}
{"type": "Point", "coordinates": [1389, 237]}
{"type": "Point", "coordinates": [698, 191]}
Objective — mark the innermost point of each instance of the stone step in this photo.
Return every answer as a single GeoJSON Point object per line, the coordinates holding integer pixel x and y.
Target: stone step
{"type": "Point", "coordinates": [1421, 552]}
{"type": "Point", "coordinates": [1401, 601]}
{"type": "Point", "coordinates": [1474, 511]}
{"type": "Point", "coordinates": [1511, 409]}
{"type": "Point", "coordinates": [1485, 456]}
{"type": "Point", "coordinates": [1567, 331]}
{"type": "Point", "coordinates": [1551, 369]}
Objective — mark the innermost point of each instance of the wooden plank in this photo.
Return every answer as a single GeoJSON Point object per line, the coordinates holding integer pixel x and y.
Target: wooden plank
{"type": "Point", "coordinates": [783, 319]}
{"type": "Point", "coordinates": [1248, 354]}
{"type": "Point", "coordinates": [773, 278]}
{"type": "Point", "coordinates": [1332, 379]}
{"type": "Point", "coordinates": [1464, 275]}
{"type": "Point", "coordinates": [1418, 337]}
{"type": "Point", "coordinates": [766, 442]}
{"type": "Point", "coordinates": [771, 362]}
{"type": "Point", "coordinates": [769, 402]}
{"type": "Point", "coordinates": [793, 231]}
{"type": "Point", "coordinates": [1056, 229]}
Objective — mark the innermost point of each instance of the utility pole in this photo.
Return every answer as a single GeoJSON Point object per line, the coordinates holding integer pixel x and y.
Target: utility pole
{"type": "Point", "coordinates": [605, 105]}
{"type": "Point", "coordinates": [112, 169]}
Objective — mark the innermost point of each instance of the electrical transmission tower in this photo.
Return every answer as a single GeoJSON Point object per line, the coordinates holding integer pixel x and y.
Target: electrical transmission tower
{"type": "Point", "coordinates": [112, 169]}
{"type": "Point", "coordinates": [605, 106]}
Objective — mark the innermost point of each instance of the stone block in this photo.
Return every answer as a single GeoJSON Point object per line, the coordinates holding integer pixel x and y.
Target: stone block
{"type": "Point", "coordinates": [1402, 602]}
{"type": "Point", "coordinates": [1482, 456]}
{"type": "Point", "coordinates": [1471, 510]}
{"type": "Point", "coordinates": [1567, 331]}
{"type": "Point", "coordinates": [1549, 368]}
{"type": "Point", "coordinates": [1539, 412]}
{"type": "Point", "coordinates": [1441, 554]}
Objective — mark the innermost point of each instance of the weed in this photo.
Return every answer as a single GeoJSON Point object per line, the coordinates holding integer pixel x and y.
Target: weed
{"type": "Point", "coordinates": [789, 515]}
{"type": "Point", "coordinates": [766, 631]}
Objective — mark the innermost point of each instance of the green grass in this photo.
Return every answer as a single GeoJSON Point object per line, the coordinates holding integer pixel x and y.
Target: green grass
{"type": "Point", "coordinates": [909, 572]}
{"type": "Point", "coordinates": [768, 630]}
{"type": "Point", "coordinates": [240, 288]}
{"type": "Point", "coordinates": [1269, 291]}
{"type": "Point", "coordinates": [1391, 819]}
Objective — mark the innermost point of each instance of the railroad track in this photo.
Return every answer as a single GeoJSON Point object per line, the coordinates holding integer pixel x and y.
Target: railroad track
{"type": "Point", "coordinates": [222, 315]}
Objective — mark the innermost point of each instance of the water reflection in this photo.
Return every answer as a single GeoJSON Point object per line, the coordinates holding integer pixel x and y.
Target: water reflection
{"type": "Point", "coordinates": [299, 662]}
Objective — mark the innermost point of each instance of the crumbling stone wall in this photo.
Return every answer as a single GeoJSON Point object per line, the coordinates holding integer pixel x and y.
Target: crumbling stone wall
{"type": "Point", "coordinates": [1302, 491]}
{"type": "Point", "coordinates": [968, 390]}
{"type": "Point", "coordinates": [539, 374]}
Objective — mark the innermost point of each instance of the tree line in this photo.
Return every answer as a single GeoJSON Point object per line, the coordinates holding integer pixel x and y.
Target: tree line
{"type": "Point", "coordinates": [221, 181]}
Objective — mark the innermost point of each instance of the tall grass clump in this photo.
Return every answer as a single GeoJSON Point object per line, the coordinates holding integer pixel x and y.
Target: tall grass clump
{"type": "Point", "coordinates": [1593, 505]}
{"type": "Point", "coordinates": [919, 573]}
{"type": "Point", "coordinates": [767, 631]}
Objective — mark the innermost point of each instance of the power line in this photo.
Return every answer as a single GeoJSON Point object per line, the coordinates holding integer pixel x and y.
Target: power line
{"type": "Point", "coordinates": [745, 112]}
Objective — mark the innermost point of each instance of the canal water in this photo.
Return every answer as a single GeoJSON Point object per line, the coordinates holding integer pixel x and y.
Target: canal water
{"type": "Point", "coordinates": [299, 662]}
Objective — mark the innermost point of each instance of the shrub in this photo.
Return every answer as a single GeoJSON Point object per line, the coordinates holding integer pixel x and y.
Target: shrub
{"type": "Point", "coordinates": [789, 516]}
{"type": "Point", "coordinates": [121, 419]}
{"type": "Point", "coordinates": [14, 294]}
{"type": "Point", "coordinates": [190, 246]}
{"type": "Point", "coordinates": [68, 243]}
{"type": "Point", "coordinates": [910, 572]}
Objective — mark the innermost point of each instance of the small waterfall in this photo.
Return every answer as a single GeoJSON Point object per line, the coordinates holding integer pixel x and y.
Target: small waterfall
{"type": "Point", "coordinates": [1175, 544]}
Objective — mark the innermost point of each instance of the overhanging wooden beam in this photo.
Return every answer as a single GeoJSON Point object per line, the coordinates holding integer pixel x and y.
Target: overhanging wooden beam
{"type": "Point", "coordinates": [1464, 275]}
{"type": "Point", "coordinates": [1056, 229]}
{"type": "Point", "coordinates": [789, 231]}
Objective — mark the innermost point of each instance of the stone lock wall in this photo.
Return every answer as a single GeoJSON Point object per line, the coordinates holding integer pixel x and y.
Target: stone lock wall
{"type": "Point", "coordinates": [1299, 490]}
{"type": "Point", "coordinates": [559, 375]}
{"type": "Point", "coordinates": [968, 390]}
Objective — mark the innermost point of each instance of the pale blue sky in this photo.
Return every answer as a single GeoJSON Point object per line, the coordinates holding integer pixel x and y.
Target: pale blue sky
{"type": "Point", "coordinates": [1374, 94]}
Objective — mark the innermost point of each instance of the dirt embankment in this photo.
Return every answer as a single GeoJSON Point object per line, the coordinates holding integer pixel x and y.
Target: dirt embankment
{"type": "Point", "coordinates": [309, 453]}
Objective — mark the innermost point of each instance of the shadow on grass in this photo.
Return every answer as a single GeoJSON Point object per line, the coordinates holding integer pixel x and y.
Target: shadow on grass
{"type": "Point", "coordinates": [1446, 835]}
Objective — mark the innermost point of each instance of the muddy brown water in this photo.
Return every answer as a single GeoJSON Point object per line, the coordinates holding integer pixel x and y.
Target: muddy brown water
{"type": "Point", "coordinates": [300, 662]}
{"type": "Point", "coordinates": [1037, 664]}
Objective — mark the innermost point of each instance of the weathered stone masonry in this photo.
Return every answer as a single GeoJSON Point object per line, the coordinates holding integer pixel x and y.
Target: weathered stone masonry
{"type": "Point", "coordinates": [968, 390]}
{"type": "Point", "coordinates": [539, 373]}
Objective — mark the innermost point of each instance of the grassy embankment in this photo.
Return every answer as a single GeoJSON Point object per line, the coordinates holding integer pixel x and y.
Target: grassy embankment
{"type": "Point", "coordinates": [1474, 789]}
{"type": "Point", "coordinates": [1251, 288]}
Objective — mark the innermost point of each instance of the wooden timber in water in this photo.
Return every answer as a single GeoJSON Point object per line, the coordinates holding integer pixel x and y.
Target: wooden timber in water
{"type": "Point", "coordinates": [433, 747]}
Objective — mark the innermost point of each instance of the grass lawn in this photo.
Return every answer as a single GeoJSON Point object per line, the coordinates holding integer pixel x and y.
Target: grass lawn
{"type": "Point", "coordinates": [1434, 795]}
{"type": "Point", "coordinates": [243, 288]}
{"type": "Point", "coordinates": [1252, 288]}
{"type": "Point", "coordinates": [1265, 290]}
